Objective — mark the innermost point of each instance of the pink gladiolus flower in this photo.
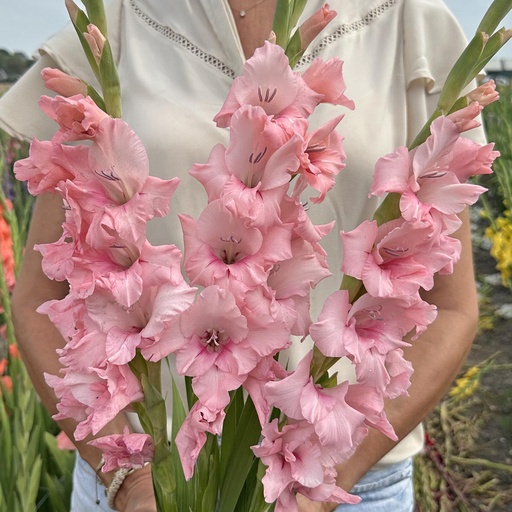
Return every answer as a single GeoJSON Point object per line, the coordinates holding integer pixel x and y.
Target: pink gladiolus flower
{"type": "Point", "coordinates": [220, 247]}
{"type": "Point", "coordinates": [47, 165]}
{"type": "Point", "coordinates": [77, 116]}
{"type": "Point", "coordinates": [129, 451]}
{"type": "Point", "coordinates": [94, 398]}
{"type": "Point", "coordinates": [297, 462]}
{"type": "Point", "coordinates": [398, 257]}
{"type": "Point", "coordinates": [269, 82]}
{"type": "Point", "coordinates": [125, 328]}
{"type": "Point", "coordinates": [112, 196]}
{"type": "Point", "coordinates": [430, 179]}
{"type": "Point", "coordinates": [69, 316]}
{"type": "Point", "coordinates": [464, 119]}
{"type": "Point", "coordinates": [322, 160]}
{"type": "Point", "coordinates": [255, 169]}
{"type": "Point", "coordinates": [212, 345]}
{"type": "Point", "coordinates": [370, 329]}
{"type": "Point", "coordinates": [292, 293]}
{"type": "Point", "coordinates": [293, 212]}
{"type": "Point", "coordinates": [314, 25]}
{"type": "Point", "coordinates": [118, 161]}
{"type": "Point", "coordinates": [192, 434]}
{"type": "Point", "coordinates": [267, 370]}
{"type": "Point", "coordinates": [336, 423]}
{"type": "Point", "coordinates": [389, 373]}
{"type": "Point", "coordinates": [62, 83]}
{"type": "Point", "coordinates": [370, 402]}
{"type": "Point", "coordinates": [326, 78]}
{"type": "Point", "coordinates": [470, 159]}
{"type": "Point", "coordinates": [291, 456]}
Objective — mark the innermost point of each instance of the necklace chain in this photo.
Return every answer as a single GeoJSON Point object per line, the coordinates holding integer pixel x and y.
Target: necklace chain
{"type": "Point", "coordinates": [243, 12]}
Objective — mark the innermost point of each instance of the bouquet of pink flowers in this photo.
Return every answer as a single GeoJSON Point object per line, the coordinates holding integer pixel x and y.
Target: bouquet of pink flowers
{"type": "Point", "coordinates": [250, 261]}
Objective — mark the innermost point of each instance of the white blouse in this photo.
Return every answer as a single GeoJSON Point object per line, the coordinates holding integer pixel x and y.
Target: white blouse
{"type": "Point", "coordinates": [177, 61]}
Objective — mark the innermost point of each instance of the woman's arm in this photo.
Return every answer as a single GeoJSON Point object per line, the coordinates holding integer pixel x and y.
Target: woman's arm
{"type": "Point", "coordinates": [436, 356]}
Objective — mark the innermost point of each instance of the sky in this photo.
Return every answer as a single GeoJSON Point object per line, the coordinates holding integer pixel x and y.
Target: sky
{"type": "Point", "coordinates": [24, 24]}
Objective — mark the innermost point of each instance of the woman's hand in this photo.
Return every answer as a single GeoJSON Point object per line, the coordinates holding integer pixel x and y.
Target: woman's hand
{"type": "Point", "coordinates": [136, 494]}
{"type": "Point", "coordinates": [306, 505]}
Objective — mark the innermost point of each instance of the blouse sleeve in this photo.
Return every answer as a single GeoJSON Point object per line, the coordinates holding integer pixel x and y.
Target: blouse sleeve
{"type": "Point", "coordinates": [20, 115]}
{"type": "Point", "coordinates": [433, 41]}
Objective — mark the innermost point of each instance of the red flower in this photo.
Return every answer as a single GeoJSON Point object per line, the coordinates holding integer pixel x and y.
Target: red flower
{"type": "Point", "coordinates": [6, 253]}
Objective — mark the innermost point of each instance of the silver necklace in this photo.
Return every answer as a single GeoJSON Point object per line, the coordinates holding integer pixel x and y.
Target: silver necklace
{"type": "Point", "coordinates": [243, 12]}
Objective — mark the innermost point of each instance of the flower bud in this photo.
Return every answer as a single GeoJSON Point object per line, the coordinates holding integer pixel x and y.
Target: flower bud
{"type": "Point", "coordinates": [14, 353]}
{"type": "Point", "coordinates": [315, 24]}
{"type": "Point", "coordinates": [96, 41]}
{"type": "Point", "coordinates": [7, 382]}
{"type": "Point", "coordinates": [73, 10]}
{"type": "Point", "coordinates": [63, 84]}
{"type": "Point", "coordinates": [464, 118]}
{"type": "Point", "coordinates": [485, 94]}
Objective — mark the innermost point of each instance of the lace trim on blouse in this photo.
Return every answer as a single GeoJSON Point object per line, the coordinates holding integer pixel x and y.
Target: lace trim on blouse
{"type": "Point", "coordinates": [346, 29]}
{"type": "Point", "coordinates": [181, 40]}
{"type": "Point", "coordinates": [169, 33]}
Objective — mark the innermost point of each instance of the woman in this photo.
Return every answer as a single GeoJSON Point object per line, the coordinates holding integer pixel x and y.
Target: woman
{"type": "Point", "coordinates": [176, 62]}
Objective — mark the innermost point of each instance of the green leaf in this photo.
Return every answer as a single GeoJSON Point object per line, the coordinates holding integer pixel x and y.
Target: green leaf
{"type": "Point", "coordinates": [240, 461]}
{"type": "Point", "coordinates": [494, 15]}
{"type": "Point", "coordinates": [461, 74]}
{"type": "Point", "coordinates": [229, 428]}
{"type": "Point", "coordinates": [62, 460]}
{"type": "Point", "coordinates": [178, 416]}
{"type": "Point", "coordinates": [163, 480]}
{"type": "Point", "coordinates": [191, 397]}
{"type": "Point", "coordinates": [211, 490]}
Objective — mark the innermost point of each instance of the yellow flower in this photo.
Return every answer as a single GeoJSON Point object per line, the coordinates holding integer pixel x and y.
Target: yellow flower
{"type": "Point", "coordinates": [466, 385]}
{"type": "Point", "coordinates": [500, 236]}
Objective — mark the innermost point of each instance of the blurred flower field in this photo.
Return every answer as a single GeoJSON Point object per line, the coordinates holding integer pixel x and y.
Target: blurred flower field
{"type": "Point", "coordinates": [35, 473]}
{"type": "Point", "coordinates": [467, 462]}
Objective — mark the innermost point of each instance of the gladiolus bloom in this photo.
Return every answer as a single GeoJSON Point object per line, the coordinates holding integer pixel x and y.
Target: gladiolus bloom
{"type": "Point", "coordinates": [62, 83]}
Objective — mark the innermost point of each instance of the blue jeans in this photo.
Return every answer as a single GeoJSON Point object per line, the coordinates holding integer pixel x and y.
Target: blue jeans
{"type": "Point", "coordinates": [382, 490]}
{"type": "Point", "coordinates": [88, 493]}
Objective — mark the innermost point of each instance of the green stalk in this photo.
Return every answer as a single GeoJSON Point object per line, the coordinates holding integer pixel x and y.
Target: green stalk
{"type": "Point", "coordinates": [494, 15]}
{"type": "Point", "coordinates": [110, 84]}
{"type": "Point", "coordinates": [153, 418]}
{"type": "Point", "coordinates": [96, 13]}
{"type": "Point", "coordinates": [286, 16]}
